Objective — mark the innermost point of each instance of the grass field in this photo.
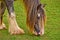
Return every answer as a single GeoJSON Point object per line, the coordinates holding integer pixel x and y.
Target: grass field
{"type": "Point", "coordinates": [52, 28]}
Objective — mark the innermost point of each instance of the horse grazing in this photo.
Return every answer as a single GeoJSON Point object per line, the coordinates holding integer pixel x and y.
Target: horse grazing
{"type": "Point", "coordinates": [35, 16]}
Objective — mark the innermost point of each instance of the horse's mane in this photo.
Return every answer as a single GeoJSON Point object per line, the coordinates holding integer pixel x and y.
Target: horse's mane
{"type": "Point", "coordinates": [31, 8]}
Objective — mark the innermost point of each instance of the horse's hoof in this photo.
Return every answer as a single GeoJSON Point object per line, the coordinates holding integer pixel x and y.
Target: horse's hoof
{"type": "Point", "coordinates": [2, 26]}
{"type": "Point", "coordinates": [17, 31]}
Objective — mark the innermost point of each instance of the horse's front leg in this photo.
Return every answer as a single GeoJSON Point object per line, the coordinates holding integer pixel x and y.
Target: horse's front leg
{"type": "Point", "coordinates": [13, 26]}
{"type": "Point", "coordinates": [2, 9]}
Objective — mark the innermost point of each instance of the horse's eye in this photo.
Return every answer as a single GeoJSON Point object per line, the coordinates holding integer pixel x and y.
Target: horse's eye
{"type": "Point", "coordinates": [38, 16]}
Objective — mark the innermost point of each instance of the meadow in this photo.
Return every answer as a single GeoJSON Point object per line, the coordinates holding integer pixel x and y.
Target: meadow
{"type": "Point", "coordinates": [52, 27]}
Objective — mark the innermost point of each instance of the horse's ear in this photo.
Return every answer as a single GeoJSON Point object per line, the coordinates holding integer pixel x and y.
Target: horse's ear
{"type": "Point", "coordinates": [43, 5]}
{"type": "Point", "coordinates": [39, 6]}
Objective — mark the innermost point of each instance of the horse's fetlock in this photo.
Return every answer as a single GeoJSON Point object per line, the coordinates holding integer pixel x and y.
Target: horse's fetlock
{"type": "Point", "coordinates": [12, 15]}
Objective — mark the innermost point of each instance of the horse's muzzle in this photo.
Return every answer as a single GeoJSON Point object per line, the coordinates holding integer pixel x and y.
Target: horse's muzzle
{"type": "Point", "coordinates": [37, 29]}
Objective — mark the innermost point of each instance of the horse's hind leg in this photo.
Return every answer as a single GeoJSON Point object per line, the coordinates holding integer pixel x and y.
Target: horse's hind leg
{"type": "Point", "coordinates": [2, 9]}
{"type": "Point", "coordinates": [13, 26]}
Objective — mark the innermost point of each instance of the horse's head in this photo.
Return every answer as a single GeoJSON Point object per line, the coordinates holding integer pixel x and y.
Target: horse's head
{"type": "Point", "coordinates": [39, 16]}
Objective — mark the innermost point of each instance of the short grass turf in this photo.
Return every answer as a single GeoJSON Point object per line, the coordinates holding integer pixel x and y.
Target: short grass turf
{"type": "Point", "coordinates": [52, 28]}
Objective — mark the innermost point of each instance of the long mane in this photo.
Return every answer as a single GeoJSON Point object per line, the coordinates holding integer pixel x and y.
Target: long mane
{"type": "Point", "coordinates": [31, 8]}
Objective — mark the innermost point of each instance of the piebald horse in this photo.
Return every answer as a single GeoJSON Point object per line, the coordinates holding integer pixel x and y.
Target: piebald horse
{"type": "Point", "coordinates": [35, 16]}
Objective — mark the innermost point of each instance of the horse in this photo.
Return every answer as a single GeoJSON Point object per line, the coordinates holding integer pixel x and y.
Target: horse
{"type": "Point", "coordinates": [35, 17]}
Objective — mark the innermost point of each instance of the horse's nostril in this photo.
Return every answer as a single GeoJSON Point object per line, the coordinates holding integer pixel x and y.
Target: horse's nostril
{"type": "Point", "coordinates": [37, 29]}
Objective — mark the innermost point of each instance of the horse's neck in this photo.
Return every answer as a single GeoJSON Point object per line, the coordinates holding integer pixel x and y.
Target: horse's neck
{"type": "Point", "coordinates": [30, 3]}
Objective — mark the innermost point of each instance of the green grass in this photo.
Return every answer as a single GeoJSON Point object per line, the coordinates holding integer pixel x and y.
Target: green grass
{"type": "Point", "coordinates": [52, 28]}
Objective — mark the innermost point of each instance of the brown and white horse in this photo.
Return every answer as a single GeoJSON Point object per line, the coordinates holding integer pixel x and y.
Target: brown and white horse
{"type": "Point", "coordinates": [35, 16]}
